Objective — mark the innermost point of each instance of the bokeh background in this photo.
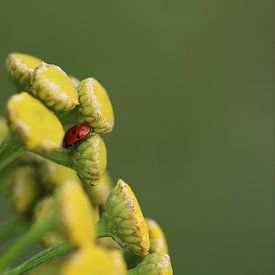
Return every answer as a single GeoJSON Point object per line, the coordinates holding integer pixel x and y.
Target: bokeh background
{"type": "Point", "coordinates": [192, 87]}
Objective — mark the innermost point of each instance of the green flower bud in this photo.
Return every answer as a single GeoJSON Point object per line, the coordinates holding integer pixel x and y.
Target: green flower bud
{"type": "Point", "coordinates": [20, 67]}
{"type": "Point", "coordinates": [124, 220]}
{"type": "Point", "coordinates": [157, 238]}
{"type": "Point", "coordinates": [101, 190]}
{"type": "Point", "coordinates": [24, 189]}
{"type": "Point", "coordinates": [95, 105]}
{"type": "Point", "coordinates": [90, 159]}
{"type": "Point", "coordinates": [153, 264]}
{"type": "Point", "coordinates": [54, 88]}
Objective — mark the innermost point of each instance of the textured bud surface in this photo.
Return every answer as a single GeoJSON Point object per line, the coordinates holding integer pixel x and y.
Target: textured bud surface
{"type": "Point", "coordinates": [20, 67]}
{"type": "Point", "coordinates": [154, 264]}
{"type": "Point", "coordinates": [157, 238]}
{"type": "Point", "coordinates": [125, 221]}
{"type": "Point", "coordinates": [37, 127]}
{"type": "Point", "coordinates": [52, 86]}
{"type": "Point", "coordinates": [95, 105]}
{"type": "Point", "coordinates": [90, 158]}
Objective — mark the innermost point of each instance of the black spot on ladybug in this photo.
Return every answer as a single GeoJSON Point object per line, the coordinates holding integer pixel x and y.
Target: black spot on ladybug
{"type": "Point", "coordinates": [74, 132]}
{"type": "Point", "coordinates": [78, 136]}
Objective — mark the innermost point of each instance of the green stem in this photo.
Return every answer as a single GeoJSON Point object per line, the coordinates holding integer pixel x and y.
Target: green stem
{"type": "Point", "coordinates": [12, 227]}
{"type": "Point", "coordinates": [61, 157]}
{"type": "Point", "coordinates": [34, 233]}
{"type": "Point", "coordinates": [10, 149]}
{"type": "Point", "coordinates": [69, 118]}
{"type": "Point", "coordinates": [102, 229]}
{"type": "Point", "coordinates": [43, 256]}
{"type": "Point", "coordinates": [131, 272]}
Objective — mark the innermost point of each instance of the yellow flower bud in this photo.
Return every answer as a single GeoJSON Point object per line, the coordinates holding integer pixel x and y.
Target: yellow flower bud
{"type": "Point", "coordinates": [95, 105]}
{"type": "Point", "coordinates": [20, 67]}
{"type": "Point", "coordinates": [76, 213]}
{"type": "Point", "coordinates": [90, 159]}
{"type": "Point", "coordinates": [153, 264]}
{"type": "Point", "coordinates": [157, 238]}
{"type": "Point", "coordinates": [54, 174]}
{"type": "Point", "coordinates": [101, 190]}
{"type": "Point", "coordinates": [24, 189]}
{"type": "Point", "coordinates": [36, 126]}
{"type": "Point", "coordinates": [124, 220]}
{"type": "Point", "coordinates": [46, 210]}
{"type": "Point", "coordinates": [54, 88]}
{"type": "Point", "coordinates": [93, 260]}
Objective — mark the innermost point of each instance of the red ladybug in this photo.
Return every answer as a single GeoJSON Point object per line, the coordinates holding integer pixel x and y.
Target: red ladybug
{"type": "Point", "coordinates": [76, 134]}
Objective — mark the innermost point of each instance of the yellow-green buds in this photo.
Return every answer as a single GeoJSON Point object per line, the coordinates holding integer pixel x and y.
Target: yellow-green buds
{"type": "Point", "coordinates": [20, 67]}
{"type": "Point", "coordinates": [157, 238]}
{"type": "Point", "coordinates": [3, 129]}
{"type": "Point", "coordinates": [24, 189]}
{"type": "Point", "coordinates": [76, 214]}
{"type": "Point", "coordinates": [95, 105]}
{"type": "Point", "coordinates": [46, 210]}
{"type": "Point", "coordinates": [52, 86]}
{"type": "Point", "coordinates": [100, 192]}
{"type": "Point", "coordinates": [71, 209]}
{"type": "Point", "coordinates": [55, 174]}
{"type": "Point", "coordinates": [90, 159]}
{"type": "Point", "coordinates": [153, 264]}
{"type": "Point", "coordinates": [124, 220]}
{"type": "Point", "coordinates": [36, 126]}
{"type": "Point", "coordinates": [93, 260]}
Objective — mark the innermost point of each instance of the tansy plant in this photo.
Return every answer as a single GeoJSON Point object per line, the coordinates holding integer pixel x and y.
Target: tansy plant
{"type": "Point", "coordinates": [53, 171]}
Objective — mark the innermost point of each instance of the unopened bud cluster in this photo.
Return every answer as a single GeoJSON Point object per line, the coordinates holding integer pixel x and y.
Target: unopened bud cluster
{"type": "Point", "coordinates": [68, 187]}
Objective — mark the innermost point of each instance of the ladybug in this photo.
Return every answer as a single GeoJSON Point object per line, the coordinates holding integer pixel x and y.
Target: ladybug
{"type": "Point", "coordinates": [76, 134]}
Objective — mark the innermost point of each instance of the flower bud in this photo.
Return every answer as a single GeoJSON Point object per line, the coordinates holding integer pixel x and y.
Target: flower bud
{"type": "Point", "coordinates": [54, 174]}
{"type": "Point", "coordinates": [54, 88]}
{"type": "Point", "coordinates": [20, 67]}
{"type": "Point", "coordinates": [24, 189]}
{"type": "Point", "coordinates": [157, 238]}
{"type": "Point", "coordinates": [46, 210]}
{"type": "Point", "coordinates": [36, 126]}
{"type": "Point", "coordinates": [124, 220]}
{"type": "Point", "coordinates": [95, 105]}
{"type": "Point", "coordinates": [93, 260]}
{"type": "Point", "coordinates": [76, 213]}
{"type": "Point", "coordinates": [100, 192]}
{"type": "Point", "coordinates": [90, 159]}
{"type": "Point", "coordinates": [153, 264]}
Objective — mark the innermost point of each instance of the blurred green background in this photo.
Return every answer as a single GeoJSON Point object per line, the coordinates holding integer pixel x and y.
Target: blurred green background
{"type": "Point", "coordinates": [192, 87]}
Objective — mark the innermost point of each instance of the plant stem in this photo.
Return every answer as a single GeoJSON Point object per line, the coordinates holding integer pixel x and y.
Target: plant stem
{"type": "Point", "coordinates": [10, 149]}
{"type": "Point", "coordinates": [102, 229]}
{"type": "Point", "coordinates": [69, 118]}
{"type": "Point", "coordinates": [41, 257]}
{"type": "Point", "coordinates": [12, 227]}
{"type": "Point", "coordinates": [35, 232]}
{"type": "Point", "coordinates": [61, 157]}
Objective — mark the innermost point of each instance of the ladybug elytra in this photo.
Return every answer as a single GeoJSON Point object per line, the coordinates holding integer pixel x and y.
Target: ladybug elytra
{"type": "Point", "coordinates": [76, 134]}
